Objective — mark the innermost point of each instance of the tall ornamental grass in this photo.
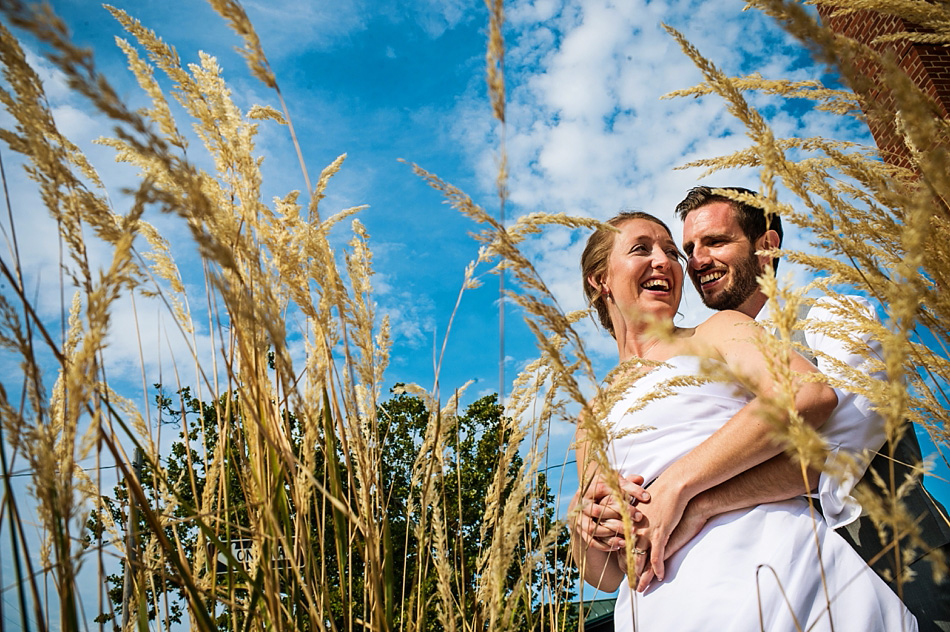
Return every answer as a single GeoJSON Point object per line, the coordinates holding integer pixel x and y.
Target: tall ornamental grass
{"type": "Point", "coordinates": [283, 455]}
{"type": "Point", "coordinates": [298, 466]}
{"type": "Point", "coordinates": [879, 226]}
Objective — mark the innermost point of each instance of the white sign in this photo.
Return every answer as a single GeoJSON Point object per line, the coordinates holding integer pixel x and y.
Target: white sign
{"type": "Point", "coordinates": [243, 552]}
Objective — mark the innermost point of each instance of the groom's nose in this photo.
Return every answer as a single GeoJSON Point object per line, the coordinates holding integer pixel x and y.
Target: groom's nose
{"type": "Point", "coordinates": [699, 257]}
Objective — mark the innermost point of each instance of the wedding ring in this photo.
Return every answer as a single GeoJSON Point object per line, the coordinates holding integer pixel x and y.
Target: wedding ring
{"type": "Point", "coordinates": [637, 551]}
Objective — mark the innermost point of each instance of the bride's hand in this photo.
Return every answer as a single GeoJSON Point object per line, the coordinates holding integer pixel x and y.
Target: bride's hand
{"type": "Point", "coordinates": [599, 522]}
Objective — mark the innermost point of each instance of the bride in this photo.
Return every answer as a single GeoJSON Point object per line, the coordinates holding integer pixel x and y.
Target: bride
{"type": "Point", "coordinates": [772, 567]}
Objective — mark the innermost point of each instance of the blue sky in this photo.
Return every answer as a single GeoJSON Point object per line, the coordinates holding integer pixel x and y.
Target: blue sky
{"type": "Point", "coordinates": [384, 81]}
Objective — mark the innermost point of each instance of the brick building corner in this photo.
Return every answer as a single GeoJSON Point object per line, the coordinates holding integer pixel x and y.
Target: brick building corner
{"type": "Point", "coordinates": [927, 65]}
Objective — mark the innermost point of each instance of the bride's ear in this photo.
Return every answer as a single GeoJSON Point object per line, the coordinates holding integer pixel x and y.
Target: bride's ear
{"type": "Point", "coordinates": [600, 286]}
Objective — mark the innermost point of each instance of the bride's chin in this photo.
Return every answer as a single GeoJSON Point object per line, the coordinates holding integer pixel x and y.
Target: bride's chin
{"type": "Point", "coordinates": [661, 312]}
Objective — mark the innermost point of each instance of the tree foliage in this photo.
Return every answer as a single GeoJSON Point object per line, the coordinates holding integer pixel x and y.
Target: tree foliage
{"type": "Point", "coordinates": [460, 488]}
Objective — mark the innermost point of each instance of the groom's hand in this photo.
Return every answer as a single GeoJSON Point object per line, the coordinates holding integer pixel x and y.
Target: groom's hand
{"type": "Point", "coordinates": [661, 518]}
{"type": "Point", "coordinates": [689, 526]}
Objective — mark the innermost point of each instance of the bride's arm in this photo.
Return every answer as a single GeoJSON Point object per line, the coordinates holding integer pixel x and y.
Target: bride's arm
{"type": "Point", "coordinates": [595, 523]}
{"type": "Point", "coordinates": [743, 442]}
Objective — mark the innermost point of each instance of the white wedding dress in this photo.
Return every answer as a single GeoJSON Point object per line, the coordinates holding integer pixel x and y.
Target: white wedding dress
{"type": "Point", "coordinates": [749, 570]}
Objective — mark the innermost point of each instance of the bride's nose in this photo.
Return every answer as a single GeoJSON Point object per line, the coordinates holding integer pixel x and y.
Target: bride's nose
{"type": "Point", "coordinates": [661, 260]}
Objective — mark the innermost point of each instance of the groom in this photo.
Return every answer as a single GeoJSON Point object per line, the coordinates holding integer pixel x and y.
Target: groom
{"type": "Point", "coordinates": [720, 238]}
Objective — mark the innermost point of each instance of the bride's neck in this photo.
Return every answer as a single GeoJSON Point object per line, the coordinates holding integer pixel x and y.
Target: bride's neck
{"type": "Point", "coordinates": [637, 345]}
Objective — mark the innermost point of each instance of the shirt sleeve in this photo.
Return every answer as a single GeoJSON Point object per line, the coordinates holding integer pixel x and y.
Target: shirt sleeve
{"type": "Point", "coordinates": [854, 431]}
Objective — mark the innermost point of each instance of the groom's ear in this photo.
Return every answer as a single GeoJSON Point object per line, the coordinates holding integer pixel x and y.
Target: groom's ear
{"type": "Point", "coordinates": [771, 240]}
{"type": "Point", "coordinates": [768, 241]}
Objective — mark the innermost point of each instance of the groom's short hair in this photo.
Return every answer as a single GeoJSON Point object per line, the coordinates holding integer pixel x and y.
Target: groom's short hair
{"type": "Point", "coordinates": [752, 219]}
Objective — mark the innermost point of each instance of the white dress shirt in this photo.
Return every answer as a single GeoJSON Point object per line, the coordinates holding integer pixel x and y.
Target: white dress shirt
{"type": "Point", "coordinates": [853, 428]}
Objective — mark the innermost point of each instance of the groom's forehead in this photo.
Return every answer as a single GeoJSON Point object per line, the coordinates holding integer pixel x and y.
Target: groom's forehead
{"type": "Point", "coordinates": [717, 218]}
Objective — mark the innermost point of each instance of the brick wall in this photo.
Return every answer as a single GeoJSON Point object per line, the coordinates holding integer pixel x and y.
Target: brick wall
{"type": "Point", "coordinates": [927, 65]}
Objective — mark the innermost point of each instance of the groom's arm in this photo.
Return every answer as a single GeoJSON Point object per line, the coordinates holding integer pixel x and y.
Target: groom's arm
{"type": "Point", "coordinates": [779, 478]}
{"type": "Point", "coordinates": [775, 480]}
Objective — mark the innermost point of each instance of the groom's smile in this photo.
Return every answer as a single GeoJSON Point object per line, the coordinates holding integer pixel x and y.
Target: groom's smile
{"type": "Point", "coordinates": [722, 263]}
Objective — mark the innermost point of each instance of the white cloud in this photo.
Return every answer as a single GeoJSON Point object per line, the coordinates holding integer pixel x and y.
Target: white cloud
{"type": "Point", "coordinates": [316, 24]}
{"type": "Point", "coordinates": [411, 318]}
{"type": "Point", "coordinates": [588, 133]}
{"type": "Point", "coordinates": [145, 340]}
{"type": "Point", "coordinates": [438, 16]}
{"type": "Point", "coordinates": [53, 79]}
{"type": "Point", "coordinates": [288, 24]}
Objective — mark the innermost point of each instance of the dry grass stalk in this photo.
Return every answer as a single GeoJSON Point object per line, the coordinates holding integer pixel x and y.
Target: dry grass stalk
{"type": "Point", "coordinates": [267, 264]}
{"type": "Point", "coordinates": [873, 221]}
{"type": "Point", "coordinates": [251, 473]}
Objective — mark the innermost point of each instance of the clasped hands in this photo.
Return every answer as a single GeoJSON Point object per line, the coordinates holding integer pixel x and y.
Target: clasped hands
{"type": "Point", "coordinates": [661, 521]}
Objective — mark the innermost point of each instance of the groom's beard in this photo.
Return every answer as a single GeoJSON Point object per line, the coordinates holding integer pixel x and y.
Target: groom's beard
{"type": "Point", "coordinates": [743, 283]}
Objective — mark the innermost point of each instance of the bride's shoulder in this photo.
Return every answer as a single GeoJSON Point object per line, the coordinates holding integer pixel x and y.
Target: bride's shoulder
{"type": "Point", "coordinates": [723, 325]}
{"type": "Point", "coordinates": [725, 318]}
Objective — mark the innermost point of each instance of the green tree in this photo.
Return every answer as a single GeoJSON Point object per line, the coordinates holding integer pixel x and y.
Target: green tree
{"type": "Point", "coordinates": [466, 465]}
{"type": "Point", "coordinates": [468, 468]}
{"type": "Point", "coordinates": [184, 477]}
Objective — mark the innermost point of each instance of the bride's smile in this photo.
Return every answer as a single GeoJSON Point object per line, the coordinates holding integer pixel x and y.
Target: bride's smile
{"type": "Point", "coordinates": [644, 274]}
